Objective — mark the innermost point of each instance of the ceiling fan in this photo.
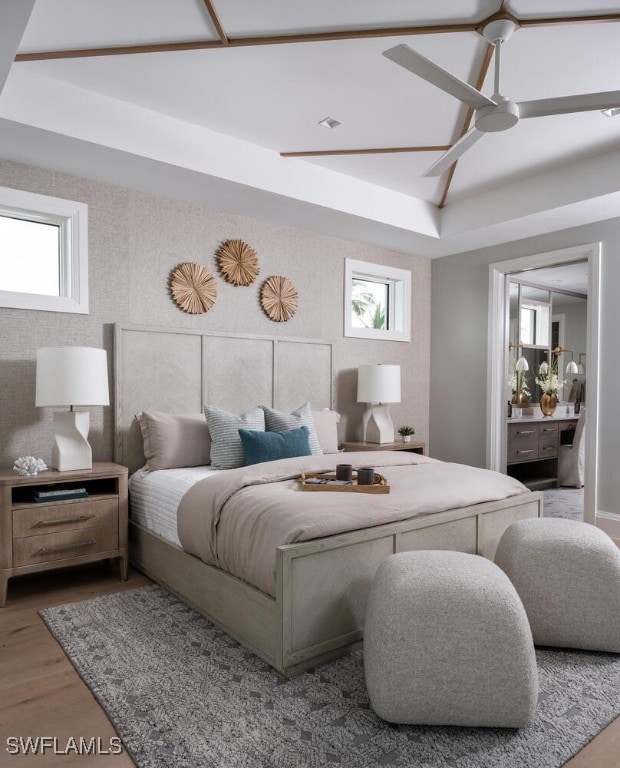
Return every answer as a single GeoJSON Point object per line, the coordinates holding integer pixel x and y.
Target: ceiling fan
{"type": "Point", "coordinates": [496, 113]}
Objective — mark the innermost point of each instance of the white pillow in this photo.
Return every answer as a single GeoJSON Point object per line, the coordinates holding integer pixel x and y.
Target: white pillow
{"type": "Point", "coordinates": [326, 425]}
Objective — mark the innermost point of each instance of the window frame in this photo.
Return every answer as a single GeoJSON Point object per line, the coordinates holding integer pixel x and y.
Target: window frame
{"type": "Point", "coordinates": [72, 219]}
{"type": "Point", "coordinates": [399, 300]}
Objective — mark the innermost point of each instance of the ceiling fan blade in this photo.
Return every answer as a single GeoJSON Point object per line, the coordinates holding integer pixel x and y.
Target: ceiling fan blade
{"type": "Point", "coordinates": [435, 75]}
{"type": "Point", "coordinates": [456, 150]}
{"type": "Point", "coordinates": [562, 105]}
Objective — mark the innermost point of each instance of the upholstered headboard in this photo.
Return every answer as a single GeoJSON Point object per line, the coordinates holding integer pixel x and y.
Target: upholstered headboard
{"type": "Point", "coordinates": [178, 371]}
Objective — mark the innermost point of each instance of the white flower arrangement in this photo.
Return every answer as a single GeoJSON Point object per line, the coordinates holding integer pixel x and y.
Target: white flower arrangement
{"type": "Point", "coordinates": [549, 380]}
{"type": "Point", "coordinates": [28, 465]}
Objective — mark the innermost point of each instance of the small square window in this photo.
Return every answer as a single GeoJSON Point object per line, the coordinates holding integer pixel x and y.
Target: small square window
{"type": "Point", "coordinates": [377, 302]}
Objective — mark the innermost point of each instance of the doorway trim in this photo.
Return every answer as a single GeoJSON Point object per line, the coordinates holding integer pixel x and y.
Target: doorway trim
{"type": "Point", "coordinates": [498, 351]}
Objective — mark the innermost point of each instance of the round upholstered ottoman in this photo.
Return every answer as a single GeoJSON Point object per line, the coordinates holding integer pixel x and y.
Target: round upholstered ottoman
{"type": "Point", "coordinates": [568, 577]}
{"type": "Point", "coordinates": [447, 642]}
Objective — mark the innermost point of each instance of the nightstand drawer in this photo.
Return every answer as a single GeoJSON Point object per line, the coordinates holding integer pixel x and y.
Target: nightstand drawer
{"type": "Point", "coordinates": [64, 516]}
{"type": "Point", "coordinates": [64, 546]}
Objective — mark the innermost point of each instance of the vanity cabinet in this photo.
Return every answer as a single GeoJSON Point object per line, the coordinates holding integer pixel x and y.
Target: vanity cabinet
{"type": "Point", "coordinates": [533, 448]}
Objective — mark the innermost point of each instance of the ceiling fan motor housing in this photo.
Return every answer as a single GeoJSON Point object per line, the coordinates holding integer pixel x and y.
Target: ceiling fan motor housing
{"type": "Point", "coordinates": [504, 115]}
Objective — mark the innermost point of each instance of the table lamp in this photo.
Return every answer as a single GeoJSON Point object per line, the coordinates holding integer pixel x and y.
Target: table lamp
{"type": "Point", "coordinates": [71, 376]}
{"type": "Point", "coordinates": [379, 385]}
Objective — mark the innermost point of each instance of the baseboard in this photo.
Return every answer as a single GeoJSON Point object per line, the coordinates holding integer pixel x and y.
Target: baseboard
{"type": "Point", "coordinates": [609, 522]}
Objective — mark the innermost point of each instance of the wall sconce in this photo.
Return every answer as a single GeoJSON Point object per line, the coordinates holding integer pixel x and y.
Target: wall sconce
{"type": "Point", "coordinates": [379, 385]}
{"type": "Point", "coordinates": [581, 369]}
{"type": "Point", "coordinates": [70, 376]}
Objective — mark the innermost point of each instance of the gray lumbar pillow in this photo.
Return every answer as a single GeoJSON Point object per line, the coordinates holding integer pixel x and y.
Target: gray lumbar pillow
{"type": "Point", "coordinates": [277, 421]}
{"type": "Point", "coordinates": [226, 445]}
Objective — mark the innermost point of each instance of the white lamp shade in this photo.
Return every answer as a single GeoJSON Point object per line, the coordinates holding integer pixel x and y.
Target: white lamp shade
{"type": "Point", "coordinates": [522, 365]}
{"type": "Point", "coordinates": [378, 384]}
{"type": "Point", "coordinates": [72, 376]}
{"type": "Point", "coordinates": [572, 367]}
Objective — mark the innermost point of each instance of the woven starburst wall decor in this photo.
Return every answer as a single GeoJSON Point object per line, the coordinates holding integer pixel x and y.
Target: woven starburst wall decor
{"type": "Point", "coordinates": [237, 262]}
{"type": "Point", "coordinates": [193, 288]}
{"type": "Point", "coordinates": [278, 298]}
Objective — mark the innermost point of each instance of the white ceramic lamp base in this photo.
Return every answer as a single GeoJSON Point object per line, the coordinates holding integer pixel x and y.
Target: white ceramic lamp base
{"type": "Point", "coordinates": [71, 448]}
{"type": "Point", "coordinates": [380, 428]}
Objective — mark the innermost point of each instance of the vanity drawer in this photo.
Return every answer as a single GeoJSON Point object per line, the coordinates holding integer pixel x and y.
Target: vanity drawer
{"type": "Point", "coordinates": [547, 447]}
{"type": "Point", "coordinates": [523, 442]}
{"type": "Point", "coordinates": [523, 451]}
{"type": "Point", "coordinates": [36, 519]}
{"type": "Point", "coordinates": [64, 546]}
{"type": "Point", "coordinates": [548, 430]}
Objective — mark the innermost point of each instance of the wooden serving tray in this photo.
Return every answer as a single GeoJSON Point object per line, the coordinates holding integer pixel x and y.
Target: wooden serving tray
{"type": "Point", "coordinates": [380, 485]}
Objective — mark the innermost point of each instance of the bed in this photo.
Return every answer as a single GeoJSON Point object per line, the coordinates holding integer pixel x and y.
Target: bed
{"type": "Point", "coordinates": [314, 609]}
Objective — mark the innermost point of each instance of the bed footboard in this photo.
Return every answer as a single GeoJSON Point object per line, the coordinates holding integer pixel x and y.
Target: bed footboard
{"type": "Point", "coordinates": [321, 585]}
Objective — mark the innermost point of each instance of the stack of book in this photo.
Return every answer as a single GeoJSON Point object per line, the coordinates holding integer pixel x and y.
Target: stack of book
{"type": "Point", "coordinates": [59, 494]}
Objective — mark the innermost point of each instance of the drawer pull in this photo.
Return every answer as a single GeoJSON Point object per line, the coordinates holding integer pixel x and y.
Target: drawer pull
{"type": "Point", "coordinates": [62, 547]}
{"type": "Point", "coordinates": [525, 431]}
{"type": "Point", "coordinates": [530, 450]}
{"type": "Point", "coordinates": [548, 447]}
{"type": "Point", "coordinates": [549, 429]}
{"type": "Point", "coordinates": [63, 520]}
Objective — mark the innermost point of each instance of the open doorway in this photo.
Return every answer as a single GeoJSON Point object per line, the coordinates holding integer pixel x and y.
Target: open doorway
{"type": "Point", "coordinates": [556, 328]}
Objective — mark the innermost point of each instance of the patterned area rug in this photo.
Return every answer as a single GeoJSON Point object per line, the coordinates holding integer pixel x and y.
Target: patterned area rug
{"type": "Point", "coordinates": [183, 694]}
{"type": "Point", "coordinates": [564, 502]}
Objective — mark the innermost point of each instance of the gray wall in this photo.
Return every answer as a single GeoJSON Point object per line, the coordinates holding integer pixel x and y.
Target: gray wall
{"type": "Point", "coordinates": [135, 239]}
{"type": "Point", "coordinates": [459, 320]}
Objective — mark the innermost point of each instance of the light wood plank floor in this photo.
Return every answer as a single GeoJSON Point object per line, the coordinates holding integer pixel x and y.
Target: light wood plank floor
{"type": "Point", "coordinates": [42, 695]}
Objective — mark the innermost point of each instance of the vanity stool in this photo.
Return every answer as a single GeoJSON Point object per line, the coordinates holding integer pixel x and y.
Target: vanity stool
{"type": "Point", "coordinates": [447, 642]}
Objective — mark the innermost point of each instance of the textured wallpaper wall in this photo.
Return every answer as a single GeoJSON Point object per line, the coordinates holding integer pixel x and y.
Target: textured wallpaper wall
{"type": "Point", "coordinates": [135, 239]}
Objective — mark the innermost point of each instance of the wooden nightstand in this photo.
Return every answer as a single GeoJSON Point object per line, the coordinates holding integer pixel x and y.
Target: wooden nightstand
{"type": "Point", "coordinates": [40, 536]}
{"type": "Point", "coordinates": [415, 446]}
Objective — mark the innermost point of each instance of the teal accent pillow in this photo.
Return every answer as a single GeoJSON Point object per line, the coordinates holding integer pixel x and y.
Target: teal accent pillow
{"type": "Point", "coordinates": [271, 446]}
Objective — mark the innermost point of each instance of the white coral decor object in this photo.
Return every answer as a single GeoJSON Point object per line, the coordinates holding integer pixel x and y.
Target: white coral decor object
{"type": "Point", "coordinates": [28, 465]}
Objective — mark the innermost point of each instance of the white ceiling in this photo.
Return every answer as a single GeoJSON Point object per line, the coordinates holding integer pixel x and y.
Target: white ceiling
{"type": "Point", "coordinates": [210, 124]}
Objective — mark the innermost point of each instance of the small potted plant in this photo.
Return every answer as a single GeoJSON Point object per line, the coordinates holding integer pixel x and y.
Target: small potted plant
{"type": "Point", "coordinates": [406, 432]}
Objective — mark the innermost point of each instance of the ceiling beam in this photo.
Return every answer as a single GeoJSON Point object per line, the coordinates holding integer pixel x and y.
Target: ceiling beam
{"type": "Point", "coordinates": [241, 42]}
{"type": "Point", "coordinates": [213, 15]}
{"type": "Point", "coordinates": [306, 37]}
{"type": "Point", "coordinates": [599, 18]}
{"type": "Point", "coordinates": [486, 63]}
{"type": "Point", "coordinates": [369, 151]}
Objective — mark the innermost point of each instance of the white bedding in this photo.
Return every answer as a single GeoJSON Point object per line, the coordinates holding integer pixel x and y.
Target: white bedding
{"type": "Point", "coordinates": [155, 496]}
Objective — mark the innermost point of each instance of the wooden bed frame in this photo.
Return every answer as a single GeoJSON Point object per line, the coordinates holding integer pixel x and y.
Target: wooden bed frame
{"type": "Point", "coordinates": [321, 585]}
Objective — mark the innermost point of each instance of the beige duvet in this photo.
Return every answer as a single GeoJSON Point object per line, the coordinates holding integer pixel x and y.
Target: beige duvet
{"type": "Point", "coordinates": [237, 518]}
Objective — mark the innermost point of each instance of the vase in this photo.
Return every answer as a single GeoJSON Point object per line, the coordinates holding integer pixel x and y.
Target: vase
{"type": "Point", "coordinates": [548, 403]}
{"type": "Point", "coordinates": [406, 438]}
{"type": "Point", "coordinates": [521, 399]}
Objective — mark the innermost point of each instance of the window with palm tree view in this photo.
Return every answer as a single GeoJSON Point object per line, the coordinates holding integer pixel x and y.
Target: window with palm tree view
{"type": "Point", "coordinates": [377, 301]}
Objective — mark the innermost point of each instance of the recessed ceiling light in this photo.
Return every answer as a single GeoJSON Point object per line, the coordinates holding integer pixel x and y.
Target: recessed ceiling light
{"type": "Point", "coordinates": [611, 112]}
{"type": "Point", "coordinates": [329, 122]}
{"type": "Point", "coordinates": [557, 281]}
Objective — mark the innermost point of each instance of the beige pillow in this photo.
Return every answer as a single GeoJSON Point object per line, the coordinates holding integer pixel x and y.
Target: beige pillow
{"type": "Point", "coordinates": [326, 425]}
{"type": "Point", "coordinates": [174, 439]}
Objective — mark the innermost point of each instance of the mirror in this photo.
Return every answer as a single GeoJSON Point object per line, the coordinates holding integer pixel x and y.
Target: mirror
{"type": "Point", "coordinates": [570, 333]}
{"type": "Point", "coordinates": [541, 321]}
